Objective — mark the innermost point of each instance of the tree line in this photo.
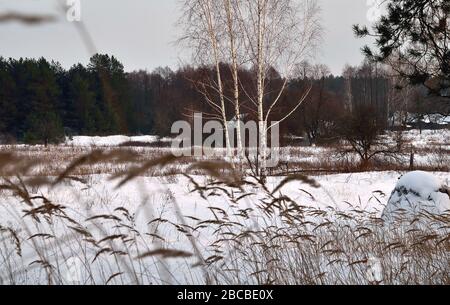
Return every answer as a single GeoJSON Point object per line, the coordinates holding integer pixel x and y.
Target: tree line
{"type": "Point", "coordinates": [40, 102]}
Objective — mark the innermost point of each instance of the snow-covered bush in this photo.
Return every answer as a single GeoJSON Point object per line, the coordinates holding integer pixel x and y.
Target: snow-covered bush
{"type": "Point", "coordinates": [417, 193]}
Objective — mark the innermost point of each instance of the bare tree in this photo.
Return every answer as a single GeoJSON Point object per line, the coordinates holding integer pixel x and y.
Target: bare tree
{"type": "Point", "coordinates": [362, 130]}
{"type": "Point", "coordinates": [260, 34]}
{"type": "Point", "coordinates": [203, 31]}
{"type": "Point", "coordinates": [348, 73]}
{"type": "Point", "coordinates": [314, 108]}
{"type": "Point", "coordinates": [234, 38]}
{"type": "Point", "coordinates": [280, 34]}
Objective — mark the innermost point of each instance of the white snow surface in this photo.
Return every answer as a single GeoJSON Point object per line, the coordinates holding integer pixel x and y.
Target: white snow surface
{"type": "Point", "coordinates": [416, 192]}
{"type": "Point", "coordinates": [148, 198]}
{"type": "Point", "coordinates": [109, 141]}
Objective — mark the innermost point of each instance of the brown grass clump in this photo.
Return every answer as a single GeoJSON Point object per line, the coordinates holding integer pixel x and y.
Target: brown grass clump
{"type": "Point", "coordinates": [265, 239]}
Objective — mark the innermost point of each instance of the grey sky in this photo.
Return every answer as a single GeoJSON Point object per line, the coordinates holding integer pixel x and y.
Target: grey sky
{"type": "Point", "coordinates": [140, 32]}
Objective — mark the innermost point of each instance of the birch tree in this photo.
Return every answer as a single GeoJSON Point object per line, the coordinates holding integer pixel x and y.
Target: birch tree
{"type": "Point", "coordinates": [280, 34]}
{"type": "Point", "coordinates": [260, 34]}
{"type": "Point", "coordinates": [203, 32]}
{"type": "Point", "coordinates": [234, 39]}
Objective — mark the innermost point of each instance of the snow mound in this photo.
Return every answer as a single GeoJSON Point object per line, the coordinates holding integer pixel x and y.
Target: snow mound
{"type": "Point", "coordinates": [416, 193]}
{"type": "Point", "coordinates": [109, 141]}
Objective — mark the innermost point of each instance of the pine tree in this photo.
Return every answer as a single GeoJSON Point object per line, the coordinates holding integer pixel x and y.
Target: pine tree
{"type": "Point", "coordinates": [43, 123]}
{"type": "Point", "coordinates": [8, 110]}
{"type": "Point", "coordinates": [82, 114]}
{"type": "Point", "coordinates": [109, 81]}
{"type": "Point", "coordinates": [413, 38]}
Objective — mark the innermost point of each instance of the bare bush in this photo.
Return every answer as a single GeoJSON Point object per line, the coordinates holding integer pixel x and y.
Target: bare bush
{"type": "Point", "coordinates": [362, 130]}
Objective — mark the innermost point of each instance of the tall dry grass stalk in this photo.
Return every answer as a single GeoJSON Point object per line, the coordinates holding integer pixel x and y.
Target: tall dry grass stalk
{"type": "Point", "coordinates": [264, 239]}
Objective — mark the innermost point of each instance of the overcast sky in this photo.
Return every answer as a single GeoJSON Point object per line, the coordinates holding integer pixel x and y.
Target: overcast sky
{"type": "Point", "coordinates": [140, 33]}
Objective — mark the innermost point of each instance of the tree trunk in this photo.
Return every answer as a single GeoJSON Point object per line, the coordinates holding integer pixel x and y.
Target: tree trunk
{"type": "Point", "coordinates": [235, 75]}
{"type": "Point", "coordinates": [213, 38]}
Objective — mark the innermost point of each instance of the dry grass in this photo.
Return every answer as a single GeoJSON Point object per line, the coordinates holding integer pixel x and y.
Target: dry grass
{"type": "Point", "coordinates": [269, 240]}
{"type": "Point", "coordinates": [317, 160]}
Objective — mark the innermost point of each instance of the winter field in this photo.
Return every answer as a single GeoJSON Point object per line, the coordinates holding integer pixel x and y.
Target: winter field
{"type": "Point", "coordinates": [431, 153]}
{"type": "Point", "coordinates": [99, 211]}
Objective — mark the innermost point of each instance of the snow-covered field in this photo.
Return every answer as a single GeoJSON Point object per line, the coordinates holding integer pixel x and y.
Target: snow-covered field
{"type": "Point", "coordinates": [155, 229]}
{"type": "Point", "coordinates": [163, 212]}
{"type": "Point", "coordinates": [431, 153]}
{"type": "Point", "coordinates": [413, 137]}
{"type": "Point", "coordinates": [428, 137]}
{"type": "Point", "coordinates": [109, 141]}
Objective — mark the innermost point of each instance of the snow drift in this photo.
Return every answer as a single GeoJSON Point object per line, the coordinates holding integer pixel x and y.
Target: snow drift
{"type": "Point", "coordinates": [416, 193]}
{"type": "Point", "coordinates": [109, 141]}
